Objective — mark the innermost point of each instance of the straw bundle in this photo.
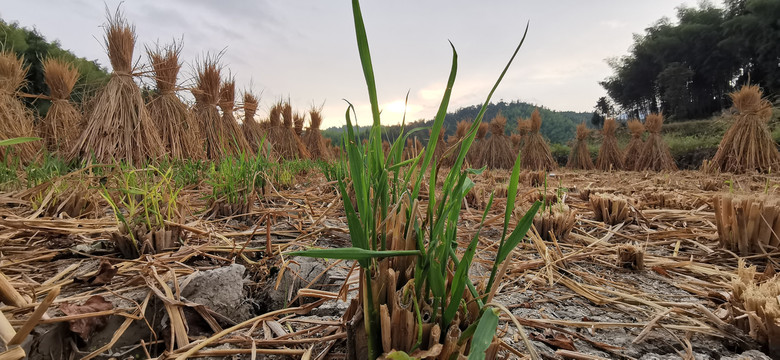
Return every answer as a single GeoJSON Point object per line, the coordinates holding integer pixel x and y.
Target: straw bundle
{"type": "Point", "coordinates": [62, 125]}
{"type": "Point", "coordinates": [756, 307]}
{"type": "Point", "coordinates": [496, 152]}
{"type": "Point", "coordinates": [635, 145]}
{"type": "Point", "coordinates": [438, 152]}
{"type": "Point", "coordinates": [610, 209]}
{"type": "Point", "coordinates": [313, 139]}
{"type": "Point", "coordinates": [747, 224]}
{"type": "Point", "coordinates": [555, 223]}
{"type": "Point", "coordinates": [475, 152]}
{"type": "Point", "coordinates": [655, 154]}
{"type": "Point", "coordinates": [631, 256]}
{"type": "Point", "coordinates": [178, 131]}
{"type": "Point", "coordinates": [536, 153]}
{"type": "Point", "coordinates": [206, 93]}
{"type": "Point", "coordinates": [15, 119]}
{"type": "Point", "coordinates": [298, 120]}
{"type": "Point", "coordinates": [748, 144]}
{"type": "Point", "coordinates": [119, 127]}
{"type": "Point", "coordinates": [523, 128]}
{"type": "Point", "coordinates": [413, 148]}
{"type": "Point", "coordinates": [609, 157]}
{"type": "Point", "coordinates": [460, 133]}
{"type": "Point", "coordinates": [282, 135]}
{"type": "Point", "coordinates": [253, 131]}
{"type": "Point", "coordinates": [579, 158]}
{"type": "Point", "coordinates": [227, 102]}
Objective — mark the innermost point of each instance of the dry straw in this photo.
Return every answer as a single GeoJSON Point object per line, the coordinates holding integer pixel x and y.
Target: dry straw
{"type": "Point", "coordinates": [579, 158]}
{"type": "Point", "coordinates": [452, 142]}
{"type": "Point", "coordinates": [253, 131]}
{"type": "Point", "coordinates": [281, 133]}
{"type": "Point", "coordinates": [609, 157]}
{"type": "Point", "coordinates": [474, 154]}
{"type": "Point", "coordinates": [119, 127]}
{"type": "Point", "coordinates": [298, 120]}
{"type": "Point", "coordinates": [227, 102]}
{"type": "Point", "coordinates": [536, 153]}
{"type": "Point", "coordinates": [179, 132]}
{"type": "Point", "coordinates": [748, 144]}
{"type": "Point", "coordinates": [313, 139]}
{"type": "Point", "coordinates": [207, 95]}
{"type": "Point", "coordinates": [755, 306]}
{"type": "Point", "coordinates": [497, 150]}
{"type": "Point", "coordinates": [747, 225]}
{"type": "Point", "coordinates": [655, 154]}
{"type": "Point", "coordinates": [15, 119]}
{"type": "Point", "coordinates": [438, 153]}
{"type": "Point", "coordinates": [635, 145]}
{"type": "Point", "coordinates": [62, 125]}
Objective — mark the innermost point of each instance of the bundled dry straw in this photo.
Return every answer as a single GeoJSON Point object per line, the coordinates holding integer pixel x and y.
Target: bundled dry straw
{"type": "Point", "coordinates": [655, 154]}
{"type": "Point", "coordinates": [555, 223]}
{"type": "Point", "coordinates": [281, 133]}
{"type": "Point", "coordinates": [496, 152]}
{"type": "Point", "coordinates": [474, 154]}
{"type": "Point", "coordinates": [747, 224]}
{"type": "Point", "coordinates": [413, 148]}
{"type": "Point", "coordinates": [313, 137]}
{"type": "Point", "coordinates": [119, 127]}
{"type": "Point", "coordinates": [298, 120]}
{"type": "Point", "coordinates": [579, 158]}
{"type": "Point", "coordinates": [227, 102]}
{"type": "Point", "coordinates": [253, 131]}
{"type": "Point", "coordinates": [62, 125]}
{"type": "Point", "coordinates": [536, 153]}
{"type": "Point", "coordinates": [631, 256]}
{"type": "Point", "coordinates": [207, 95]}
{"type": "Point", "coordinates": [609, 157]}
{"type": "Point", "coordinates": [755, 307]}
{"type": "Point", "coordinates": [748, 144]}
{"type": "Point", "coordinates": [460, 133]}
{"type": "Point", "coordinates": [179, 132]}
{"type": "Point", "coordinates": [635, 145]}
{"type": "Point", "coordinates": [15, 119]}
{"type": "Point", "coordinates": [438, 152]}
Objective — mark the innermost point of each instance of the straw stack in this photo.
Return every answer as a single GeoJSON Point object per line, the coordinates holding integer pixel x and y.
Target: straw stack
{"type": "Point", "coordinates": [536, 153]}
{"type": "Point", "coordinates": [523, 128]}
{"type": "Point", "coordinates": [15, 119]}
{"type": "Point", "coordinates": [62, 125]}
{"type": "Point", "coordinates": [609, 157]}
{"type": "Point", "coordinates": [438, 152]}
{"type": "Point", "coordinates": [206, 93]}
{"type": "Point", "coordinates": [579, 158]}
{"type": "Point", "coordinates": [313, 139]}
{"type": "Point", "coordinates": [635, 145]}
{"type": "Point", "coordinates": [748, 145]}
{"type": "Point", "coordinates": [496, 152]}
{"type": "Point", "coordinates": [413, 148]}
{"type": "Point", "coordinates": [747, 224]}
{"type": "Point", "coordinates": [298, 120]}
{"type": "Point", "coordinates": [460, 133]}
{"type": "Point", "coordinates": [282, 135]}
{"type": "Point", "coordinates": [253, 131]}
{"type": "Point", "coordinates": [119, 127]}
{"type": "Point", "coordinates": [179, 132]}
{"type": "Point", "coordinates": [655, 154]}
{"type": "Point", "coordinates": [474, 154]}
{"type": "Point", "coordinates": [235, 136]}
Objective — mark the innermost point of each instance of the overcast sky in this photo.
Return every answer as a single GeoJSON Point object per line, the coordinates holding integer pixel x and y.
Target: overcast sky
{"type": "Point", "coordinates": [306, 49]}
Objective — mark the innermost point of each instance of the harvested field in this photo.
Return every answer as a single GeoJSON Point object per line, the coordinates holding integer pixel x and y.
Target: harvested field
{"type": "Point", "coordinates": [569, 294]}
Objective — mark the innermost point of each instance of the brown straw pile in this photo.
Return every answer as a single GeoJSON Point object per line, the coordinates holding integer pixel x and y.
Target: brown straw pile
{"type": "Point", "coordinates": [119, 127]}
{"type": "Point", "coordinates": [227, 102]}
{"type": "Point", "coordinates": [298, 120]}
{"type": "Point", "coordinates": [474, 155]}
{"type": "Point", "coordinates": [748, 144]}
{"type": "Point", "coordinates": [179, 132]}
{"type": "Point", "coordinates": [15, 119]}
{"type": "Point", "coordinates": [452, 141]}
{"type": "Point", "coordinates": [536, 152]}
{"type": "Point", "coordinates": [441, 147]}
{"type": "Point", "coordinates": [754, 306]}
{"type": "Point", "coordinates": [609, 157]}
{"type": "Point", "coordinates": [62, 125]}
{"type": "Point", "coordinates": [579, 158]}
{"type": "Point", "coordinates": [313, 137]}
{"type": "Point", "coordinates": [252, 129]}
{"type": "Point", "coordinates": [523, 128]}
{"type": "Point", "coordinates": [206, 93]}
{"type": "Point", "coordinates": [496, 152]}
{"type": "Point", "coordinates": [655, 154]}
{"type": "Point", "coordinates": [281, 133]}
{"type": "Point", "coordinates": [635, 145]}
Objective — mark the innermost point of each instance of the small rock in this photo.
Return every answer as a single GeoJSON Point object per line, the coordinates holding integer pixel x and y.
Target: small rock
{"type": "Point", "coordinates": [748, 355]}
{"type": "Point", "coordinates": [221, 290]}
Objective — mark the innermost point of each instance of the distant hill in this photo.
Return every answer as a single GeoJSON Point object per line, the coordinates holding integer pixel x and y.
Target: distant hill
{"type": "Point", "coordinates": [557, 126]}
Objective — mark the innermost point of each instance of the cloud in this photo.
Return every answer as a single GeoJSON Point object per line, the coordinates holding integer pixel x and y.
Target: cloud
{"type": "Point", "coordinates": [613, 24]}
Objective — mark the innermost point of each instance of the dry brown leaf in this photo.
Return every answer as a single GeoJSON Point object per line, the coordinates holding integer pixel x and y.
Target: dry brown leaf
{"type": "Point", "coordinates": [105, 273]}
{"type": "Point", "coordinates": [86, 326]}
{"type": "Point", "coordinates": [555, 339]}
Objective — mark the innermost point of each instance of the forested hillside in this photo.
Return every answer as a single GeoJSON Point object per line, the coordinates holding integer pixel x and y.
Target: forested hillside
{"type": "Point", "coordinates": [557, 126]}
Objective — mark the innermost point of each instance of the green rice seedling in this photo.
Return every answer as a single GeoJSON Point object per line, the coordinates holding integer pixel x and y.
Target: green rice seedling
{"type": "Point", "coordinates": [145, 203]}
{"type": "Point", "coordinates": [48, 168]}
{"type": "Point", "coordinates": [412, 280]}
{"type": "Point", "coordinates": [234, 181]}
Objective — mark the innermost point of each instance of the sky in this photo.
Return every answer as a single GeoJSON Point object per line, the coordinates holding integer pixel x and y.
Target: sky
{"type": "Point", "coordinates": [305, 50]}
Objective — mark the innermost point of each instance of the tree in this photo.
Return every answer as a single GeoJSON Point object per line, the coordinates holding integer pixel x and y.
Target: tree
{"type": "Point", "coordinates": [604, 109]}
{"type": "Point", "coordinates": [673, 85]}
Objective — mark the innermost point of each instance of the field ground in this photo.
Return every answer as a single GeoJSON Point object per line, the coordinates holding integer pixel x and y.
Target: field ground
{"type": "Point", "coordinates": [568, 293]}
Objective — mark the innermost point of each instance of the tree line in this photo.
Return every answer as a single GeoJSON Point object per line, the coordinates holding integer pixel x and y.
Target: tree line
{"type": "Point", "coordinates": [686, 68]}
